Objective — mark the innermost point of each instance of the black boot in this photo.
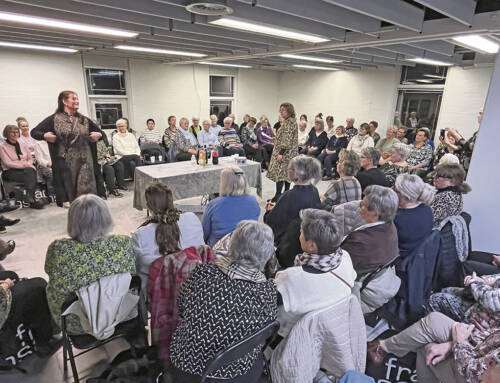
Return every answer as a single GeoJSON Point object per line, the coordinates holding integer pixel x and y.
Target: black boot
{"type": "Point", "coordinates": [4, 221]}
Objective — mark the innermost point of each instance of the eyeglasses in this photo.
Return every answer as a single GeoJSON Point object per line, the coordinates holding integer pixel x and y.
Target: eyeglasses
{"type": "Point", "coordinates": [440, 176]}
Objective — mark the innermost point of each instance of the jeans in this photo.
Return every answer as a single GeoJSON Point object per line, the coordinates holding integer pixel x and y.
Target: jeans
{"type": "Point", "coordinates": [328, 161]}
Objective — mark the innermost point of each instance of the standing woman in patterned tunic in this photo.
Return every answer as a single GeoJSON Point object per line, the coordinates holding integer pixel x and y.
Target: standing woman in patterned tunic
{"type": "Point", "coordinates": [286, 147]}
{"type": "Point", "coordinates": [72, 146]}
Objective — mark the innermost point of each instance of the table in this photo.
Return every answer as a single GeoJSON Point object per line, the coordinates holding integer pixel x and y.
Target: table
{"type": "Point", "coordinates": [188, 180]}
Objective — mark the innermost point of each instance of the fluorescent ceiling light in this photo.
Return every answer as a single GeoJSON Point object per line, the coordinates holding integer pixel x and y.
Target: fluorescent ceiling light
{"type": "Point", "coordinates": [311, 58]}
{"type": "Point", "coordinates": [422, 60]}
{"type": "Point", "coordinates": [69, 25]}
{"type": "Point", "coordinates": [273, 31]}
{"type": "Point", "coordinates": [160, 51]}
{"type": "Point", "coordinates": [434, 76]}
{"type": "Point", "coordinates": [37, 47]}
{"type": "Point", "coordinates": [478, 43]}
{"type": "Point", "coordinates": [425, 81]}
{"type": "Point", "coordinates": [314, 67]}
{"type": "Point", "coordinates": [223, 64]}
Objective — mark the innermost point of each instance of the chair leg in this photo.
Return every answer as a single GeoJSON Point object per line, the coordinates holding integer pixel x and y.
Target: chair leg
{"type": "Point", "coordinates": [72, 362]}
{"type": "Point", "coordinates": [65, 358]}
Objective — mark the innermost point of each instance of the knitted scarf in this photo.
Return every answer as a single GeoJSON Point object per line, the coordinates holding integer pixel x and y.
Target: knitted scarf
{"type": "Point", "coordinates": [324, 263]}
{"type": "Point", "coordinates": [235, 271]}
{"type": "Point", "coordinates": [18, 148]}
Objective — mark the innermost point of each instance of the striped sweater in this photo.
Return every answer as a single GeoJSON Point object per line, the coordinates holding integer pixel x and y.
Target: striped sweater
{"type": "Point", "coordinates": [228, 138]}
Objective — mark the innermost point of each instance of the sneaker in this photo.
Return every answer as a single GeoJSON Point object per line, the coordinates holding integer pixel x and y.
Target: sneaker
{"type": "Point", "coordinates": [4, 221]}
{"type": "Point", "coordinates": [66, 205]}
{"type": "Point", "coordinates": [116, 193]}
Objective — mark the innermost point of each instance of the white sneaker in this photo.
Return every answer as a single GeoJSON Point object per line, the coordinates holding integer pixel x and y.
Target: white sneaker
{"type": "Point", "coordinates": [66, 205]}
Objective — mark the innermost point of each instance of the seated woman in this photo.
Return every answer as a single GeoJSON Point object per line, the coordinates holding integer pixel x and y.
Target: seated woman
{"type": "Point", "coordinates": [25, 136]}
{"type": "Point", "coordinates": [126, 148]}
{"type": "Point", "coordinates": [361, 140]}
{"type": "Point", "coordinates": [234, 204]}
{"type": "Point", "coordinates": [17, 164]}
{"type": "Point", "coordinates": [44, 166]}
{"type": "Point", "coordinates": [384, 146]}
{"type": "Point", "coordinates": [447, 145]}
{"type": "Point", "coordinates": [347, 188]}
{"type": "Point", "coordinates": [323, 274]}
{"type": "Point", "coordinates": [112, 170]}
{"type": "Point", "coordinates": [414, 220]}
{"type": "Point", "coordinates": [369, 173]}
{"type": "Point", "coordinates": [421, 152]}
{"type": "Point", "coordinates": [265, 137]}
{"type": "Point", "coordinates": [166, 232]}
{"type": "Point", "coordinates": [303, 134]}
{"type": "Point", "coordinates": [251, 143]}
{"type": "Point", "coordinates": [330, 155]}
{"type": "Point", "coordinates": [317, 140]}
{"type": "Point", "coordinates": [396, 163]}
{"type": "Point", "coordinates": [150, 142]}
{"type": "Point", "coordinates": [283, 216]}
{"type": "Point", "coordinates": [375, 243]}
{"type": "Point", "coordinates": [88, 255]}
{"type": "Point", "coordinates": [450, 185]}
{"type": "Point", "coordinates": [237, 300]}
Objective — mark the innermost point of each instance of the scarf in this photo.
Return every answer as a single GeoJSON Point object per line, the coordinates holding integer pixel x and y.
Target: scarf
{"type": "Point", "coordinates": [339, 135]}
{"type": "Point", "coordinates": [18, 148]}
{"type": "Point", "coordinates": [235, 271]}
{"type": "Point", "coordinates": [324, 263]}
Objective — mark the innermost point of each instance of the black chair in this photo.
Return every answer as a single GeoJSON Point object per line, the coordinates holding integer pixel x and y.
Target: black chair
{"type": "Point", "coordinates": [128, 330]}
{"type": "Point", "coordinates": [240, 349]}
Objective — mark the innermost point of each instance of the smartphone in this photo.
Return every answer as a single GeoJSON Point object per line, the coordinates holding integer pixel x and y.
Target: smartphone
{"type": "Point", "coordinates": [442, 133]}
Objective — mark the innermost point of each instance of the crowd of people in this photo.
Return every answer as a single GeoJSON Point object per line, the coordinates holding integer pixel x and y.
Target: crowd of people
{"type": "Point", "coordinates": [212, 282]}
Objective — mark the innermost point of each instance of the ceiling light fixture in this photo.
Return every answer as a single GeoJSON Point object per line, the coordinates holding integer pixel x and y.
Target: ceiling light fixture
{"type": "Point", "coordinates": [311, 58]}
{"type": "Point", "coordinates": [223, 64]}
{"type": "Point", "coordinates": [314, 67]}
{"type": "Point", "coordinates": [266, 30]}
{"type": "Point", "coordinates": [37, 47]}
{"type": "Point", "coordinates": [424, 81]}
{"type": "Point", "coordinates": [425, 61]}
{"type": "Point", "coordinates": [434, 76]}
{"type": "Point", "coordinates": [477, 43]}
{"type": "Point", "coordinates": [69, 25]}
{"type": "Point", "coordinates": [159, 51]}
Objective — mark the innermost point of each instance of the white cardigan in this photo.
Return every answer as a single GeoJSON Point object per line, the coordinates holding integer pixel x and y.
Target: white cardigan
{"type": "Point", "coordinates": [124, 144]}
{"type": "Point", "coordinates": [358, 143]}
{"type": "Point", "coordinates": [42, 154]}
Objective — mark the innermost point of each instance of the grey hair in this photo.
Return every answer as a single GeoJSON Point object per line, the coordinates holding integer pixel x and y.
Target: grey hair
{"type": "Point", "coordinates": [252, 244]}
{"type": "Point", "coordinates": [349, 162]}
{"type": "Point", "coordinates": [350, 119]}
{"type": "Point", "coordinates": [322, 228]}
{"type": "Point", "coordinates": [89, 219]}
{"type": "Point", "coordinates": [414, 189]}
{"type": "Point", "coordinates": [233, 182]}
{"type": "Point", "coordinates": [449, 158]}
{"type": "Point", "coordinates": [228, 119]}
{"type": "Point", "coordinates": [382, 200]}
{"type": "Point", "coordinates": [183, 119]}
{"type": "Point", "coordinates": [305, 169]}
{"type": "Point", "coordinates": [320, 122]}
{"type": "Point", "coordinates": [371, 154]}
{"type": "Point", "coordinates": [402, 149]}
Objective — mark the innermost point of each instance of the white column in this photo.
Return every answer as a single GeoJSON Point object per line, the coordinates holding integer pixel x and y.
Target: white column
{"type": "Point", "coordinates": [483, 203]}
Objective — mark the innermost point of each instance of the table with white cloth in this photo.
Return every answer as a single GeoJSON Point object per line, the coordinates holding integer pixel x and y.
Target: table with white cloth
{"type": "Point", "coordinates": [187, 180]}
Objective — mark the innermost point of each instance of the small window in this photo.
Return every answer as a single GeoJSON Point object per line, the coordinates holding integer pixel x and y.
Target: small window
{"type": "Point", "coordinates": [221, 108]}
{"type": "Point", "coordinates": [423, 75]}
{"type": "Point", "coordinates": [105, 81]}
{"type": "Point", "coordinates": [107, 114]}
{"type": "Point", "coordinates": [221, 86]}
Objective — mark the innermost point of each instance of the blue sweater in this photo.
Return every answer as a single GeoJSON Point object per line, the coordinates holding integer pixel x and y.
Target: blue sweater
{"type": "Point", "coordinates": [414, 226]}
{"type": "Point", "coordinates": [223, 214]}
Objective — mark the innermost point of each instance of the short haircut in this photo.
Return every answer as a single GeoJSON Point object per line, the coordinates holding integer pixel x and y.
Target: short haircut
{"type": "Point", "coordinates": [289, 109]}
{"type": "Point", "coordinates": [20, 120]}
{"type": "Point", "coordinates": [393, 128]}
{"type": "Point", "coordinates": [382, 200]}
{"type": "Point", "coordinates": [89, 218]}
{"type": "Point", "coordinates": [402, 149]}
{"type": "Point", "coordinates": [253, 120]}
{"type": "Point", "coordinates": [342, 128]}
{"type": "Point", "coordinates": [304, 115]}
{"type": "Point", "coordinates": [371, 154]}
{"type": "Point", "coordinates": [252, 244]}
{"type": "Point", "coordinates": [170, 118]}
{"type": "Point", "coordinates": [195, 118]}
{"type": "Point", "coordinates": [455, 173]}
{"type": "Point", "coordinates": [305, 169]}
{"type": "Point", "coordinates": [414, 189]}
{"type": "Point", "coordinates": [228, 119]}
{"type": "Point", "coordinates": [122, 120]}
{"type": "Point", "coordinates": [426, 131]}
{"type": "Point", "coordinates": [150, 119]}
{"type": "Point", "coordinates": [350, 162]}
{"type": "Point", "coordinates": [365, 126]}
{"type": "Point", "coordinates": [329, 118]}
{"type": "Point", "coordinates": [322, 228]}
{"type": "Point", "coordinates": [233, 182]}
{"type": "Point", "coordinates": [10, 128]}
{"type": "Point", "coordinates": [303, 123]}
{"type": "Point", "coordinates": [182, 120]}
{"type": "Point", "coordinates": [350, 119]}
{"type": "Point", "coordinates": [374, 123]}
{"type": "Point", "coordinates": [320, 123]}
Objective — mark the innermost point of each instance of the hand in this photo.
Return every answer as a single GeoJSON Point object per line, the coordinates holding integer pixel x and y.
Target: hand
{"type": "Point", "coordinates": [8, 282]}
{"type": "Point", "coordinates": [441, 138]}
{"type": "Point", "coordinates": [280, 157]}
{"type": "Point", "coordinates": [108, 159]}
{"type": "Point", "coordinates": [49, 164]}
{"type": "Point", "coordinates": [270, 206]}
{"type": "Point", "coordinates": [496, 260]}
{"type": "Point", "coordinates": [453, 133]}
{"type": "Point", "coordinates": [28, 165]}
{"type": "Point", "coordinates": [461, 332]}
{"type": "Point", "coordinates": [255, 146]}
{"type": "Point", "coordinates": [95, 136]}
{"type": "Point", "coordinates": [310, 149]}
{"type": "Point", "coordinates": [472, 278]}
{"type": "Point", "coordinates": [49, 137]}
{"type": "Point", "coordinates": [437, 353]}
{"type": "Point", "coordinates": [192, 151]}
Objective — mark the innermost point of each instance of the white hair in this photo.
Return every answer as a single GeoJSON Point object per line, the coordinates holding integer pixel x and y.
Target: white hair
{"type": "Point", "coordinates": [228, 119]}
{"type": "Point", "coordinates": [414, 189]}
{"type": "Point", "coordinates": [89, 218]}
{"type": "Point", "coordinates": [449, 159]}
{"type": "Point", "coordinates": [252, 244]}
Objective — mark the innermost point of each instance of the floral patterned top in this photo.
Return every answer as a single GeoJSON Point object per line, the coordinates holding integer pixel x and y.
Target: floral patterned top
{"type": "Point", "coordinates": [392, 171]}
{"type": "Point", "coordinates": [71, 265]}
{"type": "Point", "coordinates": [182, 144]}
{"type": "Point", "coordinates": [420, 155]}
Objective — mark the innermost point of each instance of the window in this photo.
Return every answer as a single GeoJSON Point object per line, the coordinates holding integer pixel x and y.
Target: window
{"type": "Point", "coordinates": [423, 75]}
{"type": "Point", "coordinates": [221, 96]}
{"type": "Point", "coordinates": [105, 81]}
{"type": "Point", "coordinates": [107, 114]}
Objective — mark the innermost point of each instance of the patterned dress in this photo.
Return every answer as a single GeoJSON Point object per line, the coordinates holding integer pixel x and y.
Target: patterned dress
{"type": "Point", "coordinates": [71, 265]}
{"type": "Point", "coordinates": [421, 155]}
{"type": "Point", "coordinates": [448, 202]}
{"type": "Point", "coordinates": [392, 171]}
{"type": "Point", "coordinates": [287, 145]}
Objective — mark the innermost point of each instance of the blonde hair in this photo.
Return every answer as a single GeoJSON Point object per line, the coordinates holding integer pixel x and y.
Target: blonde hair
{"type": "Point", "coordinates": [183, 119]}
{"type": "Point", "coordinates": [233, 182]}
{"type": "Point", "coordinates": [414, 189]}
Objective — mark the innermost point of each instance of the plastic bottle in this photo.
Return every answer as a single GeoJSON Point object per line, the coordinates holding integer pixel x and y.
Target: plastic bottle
{"type": "Point", "coordinates": [202, 158]}
{"type": "Point", "coordinates": [193, 159]}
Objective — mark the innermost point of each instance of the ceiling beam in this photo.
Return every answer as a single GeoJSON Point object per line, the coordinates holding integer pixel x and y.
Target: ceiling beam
{"type": "Point", "coordinates": [415, 52]}
{"type": "Point", "coordinates": [459, 10]}
{"type": "Point", "coordinates": [396, 12]}
{"type": "Point", "coordinates": [438, 46]}
{"type": "Point", "coordinates": [318, 11]}
{"type": "Point", "coordinates": [379, 53]}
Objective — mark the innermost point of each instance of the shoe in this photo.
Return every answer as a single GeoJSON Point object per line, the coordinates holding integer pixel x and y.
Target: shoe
{"type": "Point", "coordinates": [116, 193]}
{"type": "Point", "coordinates": [124, 188]}
{"type": "Point", "coordinates": [4, 221]}
{"type": "Point", "coordinates": [37, 205]}
{"type": "Point", "coordinates": [66, 205]}
{"type": "Point", "coordinates": [11, 245]}
{"type": "Point", "coordinates": [375, 352]}
{"type": "Point", "coordinates": [327, 178]}
{"type": "Point", "coordinates": [3, 229]}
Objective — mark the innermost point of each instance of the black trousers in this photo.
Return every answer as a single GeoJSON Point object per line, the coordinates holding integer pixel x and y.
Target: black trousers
{"type": "Point", "coordinates": [231, 151]}
{"type": "Point", "coordinates": [268, 151]}
{"type": "Point", "coordinates": [114, 175]}
{"type": "Point", "coordinates": [26, 176]}
{"type": "Point", "coordinates": [328, 161]}
{"type": "Point", "coordinates": [29, 306]}
{"type": "Point", "coordinates": [183, 156]}
{"type": "Point", "coordinates": [257, 153]}
{"type": "Point", "coordinates": [130, 162]}
{"type": "Point", "coordinates": [480, 263]}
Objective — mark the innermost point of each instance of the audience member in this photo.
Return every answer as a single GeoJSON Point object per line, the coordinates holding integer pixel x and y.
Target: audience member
{"type": "Point", "coordinates": [323, 274]}
{"type": "Point", "coordinates": [361, 140]}
{"type": "Point", "coordinates": [167, 231]}
{"type": "Point", "coordinates": [44, 166]}
{"type": "Point", "coordinates": [350, 130]}
{"type": "Point", "coordinates": [283, 216]}
{"type": "Point", "coordinates": [373, 125]}
{"type": "Point", "coordinates": [303, 135]}
{"type": "Point", "coordinates": [466, 147]}
{"type": "Point", "coordinates": [215, 128]}
{"type": "Point", "coordinates": [396, 163]}
{"type": "Point", "coordinates": [25, 137]}
{"type": "Point", "coordinates": [113, 171]}
{"type": "Point", "coordinates": [285, 148]}
{"type": "Point", "coordinates": [317, 140]}
{"type": "Point", "coordinates": [195, 128]}
{"type": "Point", "coordinates": [234, 125]}
{"type": "Point", "coordinates": [184, 129]}
{"type": "Point", "coordinates": [229, 140]}
{"type": "Point", "coordinates": [414, 220]}
{"type": "Point", "coordinates": [251, 144]}
{"type": "Point", "coordinates": [384, 146]}
{"type": "Point", "coordinates": [206, 139]}
{"type": "Point", "coordinates": [330, 155]}
{"type": "Point", "coordinates": [412, 120]}
{"type": "Point", "coordinates": [237, 300]}
{"type": "Point", "coordinates": [330, 128]}
{"type": "Point", "coordinates": [369, 173]}
{"type": "Point", "coordinates": [126, 148]}
{"type": "Point", "coordinates": [88, 255]}
{"type": "Point", "coordinates": [401, 135]}
{"type": "Point", "coordinates": [150, 141]}
{"type": "Point", "coordinates": [234, 204]}
{"type": "Point", "coordinates": [17, 164]}
{"type": "Point", "coordinates": [266, 137]}
{"type": "Point", "coordinates": [183, 150]}
{"type": "Point", "coordinates": [420, 156]}
{"type": "Point", "coordinates": [375, 243]}
{"type": "Point", "coordinates": [246, 117]}
{"type": "Point", "coordinates": [450, 185]}
{"type": "Point", "coordinates": [347, 188]}
{"type": "Point", "coordinates": [447, 145]}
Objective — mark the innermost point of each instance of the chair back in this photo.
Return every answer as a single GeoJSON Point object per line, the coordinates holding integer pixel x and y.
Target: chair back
{"type": "Point", "coordinates": [241, 348]}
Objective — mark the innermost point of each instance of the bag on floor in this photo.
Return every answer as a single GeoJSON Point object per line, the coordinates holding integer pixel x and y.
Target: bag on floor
{"type": "Point", "coordinates": [16, 344]}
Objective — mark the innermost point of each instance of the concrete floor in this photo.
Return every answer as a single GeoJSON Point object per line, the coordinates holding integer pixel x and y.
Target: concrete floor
{"type": "Point", "coordinates": [33, 235]}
